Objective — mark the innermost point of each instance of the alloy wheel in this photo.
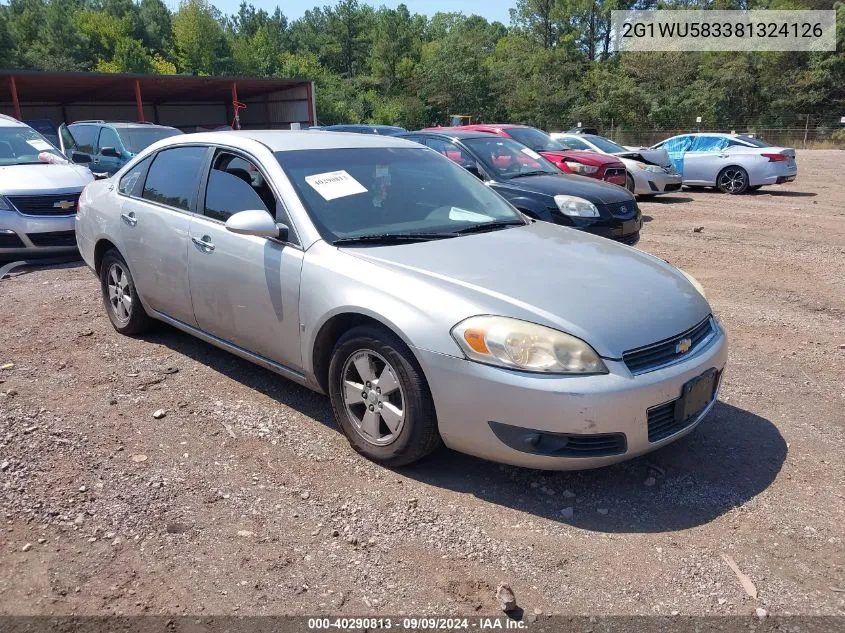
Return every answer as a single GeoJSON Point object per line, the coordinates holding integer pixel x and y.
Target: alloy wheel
{"type": "Point", "coordinates": [732, 180]}
{"type": "Point", "coordinates": [120, 293]}
{"type": "Point", "coordinates": [373, 397]}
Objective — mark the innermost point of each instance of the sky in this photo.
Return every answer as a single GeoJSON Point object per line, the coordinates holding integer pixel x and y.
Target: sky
{"type": "Point", "coordinates": [490, 9]}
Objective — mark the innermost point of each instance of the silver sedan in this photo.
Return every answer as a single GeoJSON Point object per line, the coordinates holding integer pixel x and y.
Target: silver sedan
{"type": "Point", "coordinates": [429, 310]}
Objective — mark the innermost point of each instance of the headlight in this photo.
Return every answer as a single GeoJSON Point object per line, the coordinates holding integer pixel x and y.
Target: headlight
{"type": "Point", "coordinates": [651, 168]}
{"type": "Point", "coordinates": [525, 346]}
{"type": "Point", "coordinates": [576, 207]}
{"type": "Point", "coordinates": [4, 204]}
{"type": "Point", "coordinates": [580, 168]}
{"type": "Point", "coordinates": [694, 282]}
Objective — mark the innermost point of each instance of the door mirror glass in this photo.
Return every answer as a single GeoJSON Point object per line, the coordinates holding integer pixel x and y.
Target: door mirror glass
{"type": "Point", "coordinates": [256, 222]}
{"type": "Point", "coordinates": [79, 157]}
{"type": "Point", "coordinates": [110, 151]}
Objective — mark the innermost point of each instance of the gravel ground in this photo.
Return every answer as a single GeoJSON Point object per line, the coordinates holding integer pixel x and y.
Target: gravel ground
{"type": "Point", "coordinates": [244, 497]}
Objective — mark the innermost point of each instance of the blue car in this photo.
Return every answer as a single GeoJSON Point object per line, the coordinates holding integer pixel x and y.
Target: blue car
{"type": "Point", "coordinates": [110, 145]}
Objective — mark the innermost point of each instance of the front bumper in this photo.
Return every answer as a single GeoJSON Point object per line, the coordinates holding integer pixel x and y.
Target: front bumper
{"type": "Point", "coordinates": [469, 396]}
{"type": "Point", "coordinates": [654, 183]}
{"type": "Point", "coordinates": [626, 231]}
{"type": "Point", "coordinates": [35, 235]}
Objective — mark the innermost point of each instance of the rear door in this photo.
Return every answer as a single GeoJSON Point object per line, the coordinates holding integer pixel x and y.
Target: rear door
{"type": "Point", "coordinates": [245, 289]}
{"type": "Point", "coordinates": [705, 158]}
{"type": "Point", "coordinates": [154, 230]}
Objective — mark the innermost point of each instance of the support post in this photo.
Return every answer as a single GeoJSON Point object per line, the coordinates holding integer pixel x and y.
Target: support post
{"type": "Point", "coordinates": [312, 117]}
{"type": "Point", "coordinates": [139, 103]}
{"type": "Point", "coordinates": [237, 119]}
{"type": "Point", "coordinates": [15, 103]}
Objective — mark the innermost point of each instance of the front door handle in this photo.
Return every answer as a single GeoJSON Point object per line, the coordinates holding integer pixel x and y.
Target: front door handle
{"type": "Point", "coordinates": [129, 218]}
{"type": "Point", "coordinates": [205, 243]}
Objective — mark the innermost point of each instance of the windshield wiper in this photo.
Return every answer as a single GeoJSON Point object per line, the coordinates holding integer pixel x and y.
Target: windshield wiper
{"type": "Point", "coordinates": [387, 238]}
{"type": "Point", "coordinates": [538, 172]}
{"type": "Point", "coordinates": [489, 226]}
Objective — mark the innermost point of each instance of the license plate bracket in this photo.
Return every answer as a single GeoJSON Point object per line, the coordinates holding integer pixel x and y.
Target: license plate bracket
{"type": "Point", "coordinates": [696, 394]}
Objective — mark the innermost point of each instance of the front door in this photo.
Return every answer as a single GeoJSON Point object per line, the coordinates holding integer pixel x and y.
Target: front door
{"type": "Point", "coordinates": [110, 161]}
{"type": "Point", "coordinates": [245, 289]}
{"type": "Point", "coordinates": [154, 228]}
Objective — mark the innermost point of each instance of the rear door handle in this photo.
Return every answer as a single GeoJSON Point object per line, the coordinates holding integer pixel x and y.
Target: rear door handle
{"type": "Point", "coordinates": [205, 243]}
{"type": "Point", "coordinates": [129, 218]}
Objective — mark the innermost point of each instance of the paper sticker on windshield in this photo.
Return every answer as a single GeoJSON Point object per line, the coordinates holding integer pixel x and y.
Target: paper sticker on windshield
{"type": "Point", "coordinates": [530, 152]}
{"type": "Point", "coordinates": [41, 146]}
{"type": "Point", "coordinates": [335, 184]}
{"type": "Point", "coordinates": [467, 216]}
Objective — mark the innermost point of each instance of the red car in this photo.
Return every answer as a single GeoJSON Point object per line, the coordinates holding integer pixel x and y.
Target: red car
{"type": "Point", "coordinates": [592, 164]}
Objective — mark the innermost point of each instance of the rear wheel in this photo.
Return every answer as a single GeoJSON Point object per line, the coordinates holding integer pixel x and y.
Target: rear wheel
{"type": "Point", "coordinates": [380, 398]}
{"type": "Point", "coordinates": [120, 298]}
{"type": "Point", "coordinates": [732, 180]}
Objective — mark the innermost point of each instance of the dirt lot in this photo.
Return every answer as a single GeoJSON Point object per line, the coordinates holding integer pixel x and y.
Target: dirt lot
{"type": "Point", "coordinates": [244, 498]}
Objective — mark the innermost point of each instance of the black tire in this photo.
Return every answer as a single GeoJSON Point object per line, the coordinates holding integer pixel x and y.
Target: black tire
{"type": "Point", "coordinates": [418, 435]}
{"type": "Point", "coordinates": [629, 182]}
{"type": "Point", "coordinates": [732, 180]}
{"type": "Point", "coordinates": [132, 320]}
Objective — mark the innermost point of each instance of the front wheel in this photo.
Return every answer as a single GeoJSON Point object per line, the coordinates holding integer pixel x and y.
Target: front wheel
{"type": "Point", "coordinates": [380, 397]}
{"type": "Point", "coordinates": [120, 298]}
{"type": "Point", "coordinates": [732, 180]}
{"type": "Point", "coordinates": [629, 183]}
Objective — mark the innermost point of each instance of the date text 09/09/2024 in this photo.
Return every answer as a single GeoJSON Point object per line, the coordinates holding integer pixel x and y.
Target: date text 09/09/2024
{"type": "Point", "coordinates": [417, 624]}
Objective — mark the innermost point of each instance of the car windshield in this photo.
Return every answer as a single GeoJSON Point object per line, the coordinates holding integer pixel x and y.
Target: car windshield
{"type": "Point", "coordinates": [21, 145]}
{"type": "Point", "coordinates": [508, 159]}
{"type": "Point", "coordinates": [606, 145]}
{"type": "Point", "coordinates": [384, 192]}
{"type": "Point", "coordinates": [535, 139]}
{"type": "Point", "coordinates": [137, 138]}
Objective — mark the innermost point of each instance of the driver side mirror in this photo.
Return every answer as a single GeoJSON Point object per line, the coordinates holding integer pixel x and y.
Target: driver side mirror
{"type": "Point", "coordinates": [79, 157]}
{"type": "Point", "coordinates": [257, 223]}
{"type": "Point", "coordinates": [474, 170]}
{"type": "Point", "coordinates": [111, 152]}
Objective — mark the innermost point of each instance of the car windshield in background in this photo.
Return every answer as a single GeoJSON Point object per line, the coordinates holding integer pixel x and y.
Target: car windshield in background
{"type": "Point", "coordinates": [754, 142]}
{"type": "Point", "coordinates": [384, 193]}
{"type": "Point", "coordinates": [604, 144]}
{"type": "Point", "coordinates": [22, 145]}
{"type": "Point", "coordinates": [137, 138]}
{"type": "Point", "coordinates": [536, 140]}
{"type": "Point", "coordinates": [509, 159]}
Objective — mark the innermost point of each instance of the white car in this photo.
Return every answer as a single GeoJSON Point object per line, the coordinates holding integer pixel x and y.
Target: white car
{"type": "Point", "coordinates": [649, 171]}
{"type": "Point", "coordinates": [39, 193]}
{"type": "Point", "coordinates": [733, 163]}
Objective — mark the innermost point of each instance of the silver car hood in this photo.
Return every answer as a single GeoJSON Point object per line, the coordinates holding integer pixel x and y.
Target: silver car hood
{"type": "Point", "coordinates": [43, 178]}
{"type": "Point", "coordinates": [615, 297]}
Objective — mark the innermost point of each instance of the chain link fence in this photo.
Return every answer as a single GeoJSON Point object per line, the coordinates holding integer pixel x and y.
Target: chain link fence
{"type": "Point", "coordinates": [797, 137]}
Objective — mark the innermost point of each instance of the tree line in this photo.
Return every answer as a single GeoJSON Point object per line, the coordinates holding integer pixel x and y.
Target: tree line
{"type": "Point", "coordinates": [551, 66]}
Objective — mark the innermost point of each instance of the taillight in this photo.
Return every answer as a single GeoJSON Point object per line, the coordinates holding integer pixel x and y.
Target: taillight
{"type": "Point", "coordinates": [774, 158]}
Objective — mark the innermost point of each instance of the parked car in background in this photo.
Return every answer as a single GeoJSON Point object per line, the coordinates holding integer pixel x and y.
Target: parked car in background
{"type": "Point", "coordinates": [564, 158]}
{"type": "Point", "coordinates": [535, 186]}
{"type": "Point", "coordinates": [384, 130]}
{"type": "Point", "coordinates": [110, 145]}
{"type": "Point", "coordinates": [39, 193]}
{"type": "Point", "coordinates": [732, 163]}
{"type": "Point", "coordinates": [650, 171]}
{"type": "Point", "coordinates": [376, 271]}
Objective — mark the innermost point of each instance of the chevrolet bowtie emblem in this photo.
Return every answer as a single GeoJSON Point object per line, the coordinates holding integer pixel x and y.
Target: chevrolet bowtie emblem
{"type": "Point", "coordinates": [683, 346]}
{"type": "Point", "coordinates": [64, 205]}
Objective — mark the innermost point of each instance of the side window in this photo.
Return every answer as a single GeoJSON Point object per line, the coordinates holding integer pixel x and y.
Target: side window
{"type": "Point", "coordinates": [174, 176]}
{"type": "Point", "coordinates": [235, 184]}
{"type": "Point", "coordinates": [130, 183]}
{"type": "Point", "coordinates": [575, 143]}
{"type": "Point", "coordinates": [108, 138]}
{"type": "Point", "coordinates": [449, 150]}
{"type": "Point", "coordinates": [86, 137]}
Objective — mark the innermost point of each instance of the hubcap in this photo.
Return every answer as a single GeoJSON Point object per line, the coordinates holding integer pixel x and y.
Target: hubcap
{"type": "Point", "coordinates": [373, 397]}
{"type": "Point", "coordinates": [120, 294]}
{"type": "Point", "coordinates": [732, 180]}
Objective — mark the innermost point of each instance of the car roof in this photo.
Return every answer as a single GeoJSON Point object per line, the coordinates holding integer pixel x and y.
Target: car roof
{"type": "Point", "coordinates": [289, 140]}
{"type": "Point", "coordinates": [124, 124]}
{"type": "Point", "coordinates": [452, 133]}
{"type": "Point", "coordinates": [7, 121]}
